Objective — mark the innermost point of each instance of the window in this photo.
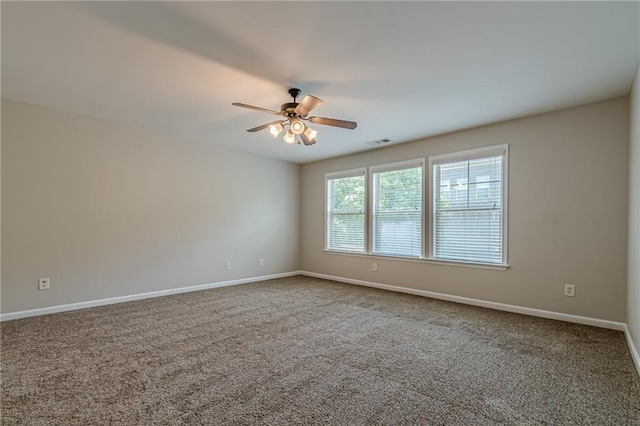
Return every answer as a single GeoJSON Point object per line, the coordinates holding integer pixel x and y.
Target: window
{"type": "Point", "coordinates": [470, 225]}
{"type": "Point", "coordinates": [346, 210]}
{"type": "Point", "coordinates": [380, 210]}
{"type": "Point", "coordinates": [396, 215]}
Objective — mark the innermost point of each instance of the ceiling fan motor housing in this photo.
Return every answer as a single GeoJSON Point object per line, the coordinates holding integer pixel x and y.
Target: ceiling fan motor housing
{"type": "Point", "coordinates": [289, 109]}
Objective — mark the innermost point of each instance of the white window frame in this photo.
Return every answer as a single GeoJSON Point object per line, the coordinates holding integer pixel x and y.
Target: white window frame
{"type": "Point", "coordinates": [362, 171]}
{"type": "Point", "coordinates": [472, 154]}
{"type": "Point", "coordinates": [427, 240]}
{"type": "Point", "coordinates": [389, 167]}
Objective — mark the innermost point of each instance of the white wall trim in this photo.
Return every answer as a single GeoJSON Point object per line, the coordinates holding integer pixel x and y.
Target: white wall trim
{"type": "Point", "coordinates": [120, 299]}
{"type": "Point", "coordinates": [632, 348]}
{"type": "Point", "coordinates": [613, 325]}
{"type": "Point", "coordinates": [495, 267]}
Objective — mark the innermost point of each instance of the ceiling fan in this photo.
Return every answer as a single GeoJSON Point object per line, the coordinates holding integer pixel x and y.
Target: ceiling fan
{"type": "Point", "coordinates": [296, 113]}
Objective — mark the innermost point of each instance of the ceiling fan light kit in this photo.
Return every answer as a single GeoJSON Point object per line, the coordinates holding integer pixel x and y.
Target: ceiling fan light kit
{"type": "Point", "coordinates": [296, 113]}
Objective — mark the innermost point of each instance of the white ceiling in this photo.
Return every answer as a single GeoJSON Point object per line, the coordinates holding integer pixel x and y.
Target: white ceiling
{"type": "Point", "coordinates": [402, 70]}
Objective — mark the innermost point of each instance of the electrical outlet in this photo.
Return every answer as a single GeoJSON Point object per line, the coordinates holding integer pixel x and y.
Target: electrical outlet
{"type": "Point", "coordinates": [569, 290]}
{"type": "Point", "coordinates": [44, 284]}
{"type": "Point", "coordinates": [374, 267]}
{"type": "Point", "coordinates": [227, 265]}
{"type": "Point", "coordinates": [261, 262]}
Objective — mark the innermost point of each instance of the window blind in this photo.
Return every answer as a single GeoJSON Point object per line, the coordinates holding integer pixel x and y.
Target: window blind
{"type": "Point", "coordinates": [397, 211]}
{"type": "Point", "coordinates": [346, 212]}
{"type": "Point", "coordinates": [468, 209]}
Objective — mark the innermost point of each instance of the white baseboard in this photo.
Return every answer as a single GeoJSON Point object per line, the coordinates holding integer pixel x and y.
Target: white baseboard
{"type": "Point", "coordinates": [101, 302]}
{"type": "Point", "coordinates": [632, 348]}
{"type": "Point", "coordinates": [477, 302]}
{"type": "Point", "coordinates": [441, 296]}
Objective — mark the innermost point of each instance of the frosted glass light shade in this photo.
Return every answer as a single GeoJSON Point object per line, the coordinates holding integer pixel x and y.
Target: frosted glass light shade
{"type": "Point", "coordinates": [297, 126]}
{"type": "Point", "coordinates": [308, 137]}
{"type": "Point", "coordinates": [289, 137]}
{"type": "Point", "coordinates": [275, 129]}
{"type": "Point", "coordinates": [311, 134]}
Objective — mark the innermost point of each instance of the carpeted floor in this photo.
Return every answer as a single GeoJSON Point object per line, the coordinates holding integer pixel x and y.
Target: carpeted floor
{"type": "Point", "coordinates": [308, 351]}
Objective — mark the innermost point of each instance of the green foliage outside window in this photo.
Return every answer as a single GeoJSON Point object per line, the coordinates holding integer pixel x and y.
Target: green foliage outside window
{"type": "Point", "coordinates": [400, 190]}
{"type": "Point", "coordinates": [348, 194]}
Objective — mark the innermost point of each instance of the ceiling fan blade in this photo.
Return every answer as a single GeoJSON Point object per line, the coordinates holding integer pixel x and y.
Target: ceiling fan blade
{"type": "Point", "coordinates": [270, 111]}
{"type": "Point", "coordinates": [264, 126]}
{"type": "Point", "coordinates": [308, 103]}
{"type": "Point", "coordinates": [333, 122]}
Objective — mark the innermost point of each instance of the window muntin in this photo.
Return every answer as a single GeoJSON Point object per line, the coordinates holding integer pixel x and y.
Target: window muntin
{"type": "Point", "coordinates": [396, 214]}
{"type": "Point", "coordinates": [346, 211]}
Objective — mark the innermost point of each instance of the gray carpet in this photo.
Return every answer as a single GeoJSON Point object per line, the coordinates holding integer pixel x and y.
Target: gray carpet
{"type": "Point", "coordinates": [308, 351]}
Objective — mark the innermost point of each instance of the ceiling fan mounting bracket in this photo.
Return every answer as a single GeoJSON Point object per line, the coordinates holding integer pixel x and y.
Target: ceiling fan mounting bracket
{"type": "Point", "coordinates": [294, 93]}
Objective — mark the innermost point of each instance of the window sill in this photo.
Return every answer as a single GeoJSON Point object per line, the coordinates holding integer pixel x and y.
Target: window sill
{"type": "Point", "coordinates": [492, 266]}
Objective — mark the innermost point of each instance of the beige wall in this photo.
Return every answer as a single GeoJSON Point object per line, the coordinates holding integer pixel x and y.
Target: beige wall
{"type": "Point", "coordinates": [567, 214]}
{"type": "Point", "coordinates": [633, 295]}
{"type": "Point", "coordinates": [106, 210]}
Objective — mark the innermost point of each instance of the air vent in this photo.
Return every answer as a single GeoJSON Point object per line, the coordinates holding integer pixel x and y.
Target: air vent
{"type": "Point", "coordinates": [378, 142]}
